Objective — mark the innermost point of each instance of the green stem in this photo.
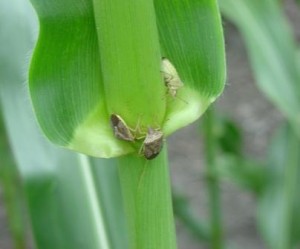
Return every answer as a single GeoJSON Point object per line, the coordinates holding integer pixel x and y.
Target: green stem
{"type": "Point", "coordinates": [212, 181]}
{"type": "Point", "coordinates": [289, 189]}
{"type": "Point", "coordinates": [130, 58]}
{"type": "Point", "coordinates": [148, 205]}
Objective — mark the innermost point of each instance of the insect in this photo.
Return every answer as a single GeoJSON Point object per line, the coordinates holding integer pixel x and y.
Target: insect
{"type": "Point", "coordinates": [152, 144]}
{"type": "Point", "coordinates": [171, 77]}
{"type": "Point", "coordinates": [120, 128]}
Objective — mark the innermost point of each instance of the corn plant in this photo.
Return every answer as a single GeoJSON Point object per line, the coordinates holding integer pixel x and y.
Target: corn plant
{"type": "Point", "coordinates": [95, 62]}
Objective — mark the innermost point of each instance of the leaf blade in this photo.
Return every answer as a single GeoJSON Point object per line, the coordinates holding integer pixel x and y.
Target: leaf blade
{"type": "Point", "coordinates": [66, 80]}
{"type": "Point", "coordinates": [191, 37]}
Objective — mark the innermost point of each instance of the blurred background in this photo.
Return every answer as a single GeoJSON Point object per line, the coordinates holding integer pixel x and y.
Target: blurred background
{"type": "Point", "coordinates": [257, 120]}
{"type": "Point", "coordinates": [244, 114]}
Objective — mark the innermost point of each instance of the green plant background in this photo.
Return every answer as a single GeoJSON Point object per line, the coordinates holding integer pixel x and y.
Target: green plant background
{"type": "Point", "coordinates": [252, 185]}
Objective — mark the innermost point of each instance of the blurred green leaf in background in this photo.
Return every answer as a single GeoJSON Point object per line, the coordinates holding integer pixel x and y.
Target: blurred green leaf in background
{"type": "Point", "coordinates": [95, 58]}
{"type": "Point", "coordinates": [278, 210]}
{"type": "Point", "coordinates": [274, 59]}
{"type": "Point", "coordinates": [68, 195]}
{"type": "Point", "coordinates": [272, 51]}
{"type": "Point", "coordinates": [12, 194]}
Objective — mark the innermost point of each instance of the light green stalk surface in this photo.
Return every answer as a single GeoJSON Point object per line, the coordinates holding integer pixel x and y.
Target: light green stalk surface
{"type": "Point", "coordinates": [130, 61]}
{"type": "Point", "coordinates": [147, 199]}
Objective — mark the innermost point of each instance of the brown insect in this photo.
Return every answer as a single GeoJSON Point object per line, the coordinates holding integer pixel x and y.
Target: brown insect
{"type": "Point", "coordinates": [152, 144]}
{"type": "Point", "coordinates": [120, 128]}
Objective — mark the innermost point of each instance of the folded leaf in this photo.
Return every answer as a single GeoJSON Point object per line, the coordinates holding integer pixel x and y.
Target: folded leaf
{"type": "Point", "coordinates": [191, 36]}
{"type": "Point", "coordinates": [66, 81]}
{"type": "Point", "coordinates": [95, 58]}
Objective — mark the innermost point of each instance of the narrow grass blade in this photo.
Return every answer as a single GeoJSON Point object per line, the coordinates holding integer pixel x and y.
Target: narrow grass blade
{"type": "Point", "coordinates": [213, 181]}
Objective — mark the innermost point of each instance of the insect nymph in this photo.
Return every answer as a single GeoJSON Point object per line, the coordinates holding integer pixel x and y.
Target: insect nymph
{"type": "Point", "coordinates": [171, 77]}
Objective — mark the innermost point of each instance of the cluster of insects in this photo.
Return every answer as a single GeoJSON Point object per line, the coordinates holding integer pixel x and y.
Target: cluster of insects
{"type": "Point", "coordinates": [153, 139]}
{"type": "Point", "coordinates": [152, 143]}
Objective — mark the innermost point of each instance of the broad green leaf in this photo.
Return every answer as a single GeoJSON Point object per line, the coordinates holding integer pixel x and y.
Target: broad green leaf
{"type": "Point", "coordinates": [191, 37]}
{"type": "Point", "coordinates": [272, 51]}
{"type": "Point", "coordinates": [69, 69]}
{"type": "Point", "coordinates": [99, 57]}
{"type": "Point", "coordinates": [278, 211]}
{"type": "Point", "coordinates": [73, 201]}
{"type": "Point", "coordinates": [65, 80]}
